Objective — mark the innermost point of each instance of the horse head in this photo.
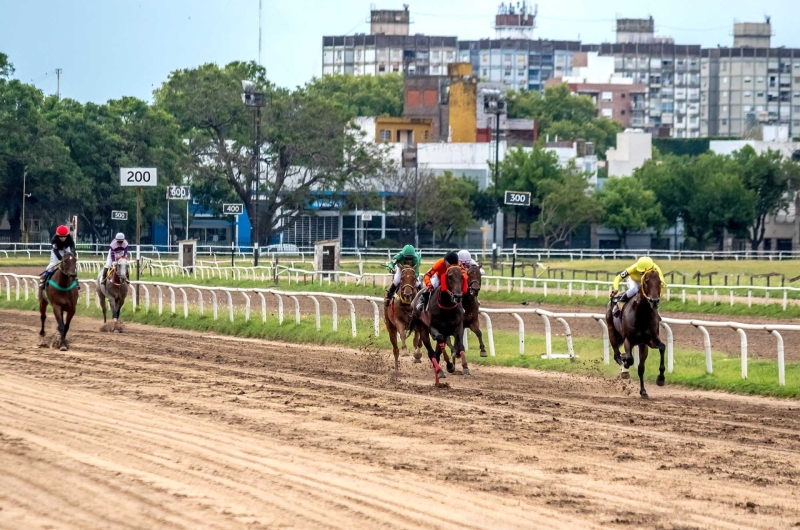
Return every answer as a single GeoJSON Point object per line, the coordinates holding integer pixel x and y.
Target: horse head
{"type": "Point", "coordinates": [474, 279]}
{"type": "Point", "coordinates": [121, 270]}
{"type": "Point", "coordinates": [408, 285]}
{"type": "Point", "coordinates": [651, 288]}
{"type": "Point", "coordinates": [69, 265]}
{"type": "Point", "coordinates": [453, 281]}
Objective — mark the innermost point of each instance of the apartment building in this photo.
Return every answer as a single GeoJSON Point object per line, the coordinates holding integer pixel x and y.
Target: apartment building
{"type": "Point", "coordinates": [388, 48]}
{"type": "Point", "coordinates": [750, 85]}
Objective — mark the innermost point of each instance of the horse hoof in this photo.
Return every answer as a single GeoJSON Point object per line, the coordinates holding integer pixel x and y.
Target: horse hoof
{"type": "Point", "coordinates": [644, 395]}
{"type": "Point", "coordinates": [442, 375]}
{"type": "Point", "coordinates": [660, 380]}
{"type": "Point", "coordinates": [451, 368]}
{"type": "Point", "coordinates": [465, 371]}
{"type": "Point", "coordinates": [483, 353]}
{"type": "Point", "coordinates": [417, 360]}
{"type": "Point", "coordinates": [624, 375]}
{"type": "Point", "coordinates": [63, 348]}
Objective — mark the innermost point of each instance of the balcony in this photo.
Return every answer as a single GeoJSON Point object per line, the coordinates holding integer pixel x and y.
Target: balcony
{"type": "Point", "coordinates": [637, 105]}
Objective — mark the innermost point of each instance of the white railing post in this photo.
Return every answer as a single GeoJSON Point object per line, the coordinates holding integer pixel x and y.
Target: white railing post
{"type": "Point", "coordinates": [781, 364]}
{"type": "Point", "coordinates": [568, 336]}
{"type": "Point", "coordinates": [707, 346]}
{"type": "Point", "coordinates": [606, 359]}
{"type": "Point", "coordinates": [335, 313]}
{"type": "Point", "coordinates": [670, 351]}
{"type": "Point", "coordinates": [160, 300]}
{"type": "Point", "coordinates": [376, 312]}
{"type": "Point", "coordinates": [352, 316]}
{"type": "Point", "coordinates": [743, 355]}
{"type": "Point", "coordinates": [185, 302]}
{"type": "Point", "coordinates": [548, 340]}
{"type": "Point", "coordinates": [246, 306]}
{"type": "Point", "coordinates": [200, 301]}
{"type": "Point", "coordinates": [171, 300]}
{"type": "Point", "coordinates": [280, 308]}
{"type": "Point", "coordinates": [214, 304]}
{"type": "Point", "coordinates": [316, 312]}
{"type": "Point", "coordinates": [490, 333]}
{"type": "Point", "coordinates": [230, 304]}
{"type": "Point", "coordinates": [296, 309]}
{"type": "Point", "coordinates": [263, 307]}
{"type": "Point", "coordinates": [521, 333]}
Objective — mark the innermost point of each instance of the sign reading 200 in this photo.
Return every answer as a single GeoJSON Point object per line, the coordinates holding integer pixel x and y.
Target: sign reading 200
{"type": "Point", "coordinates": [138, 176]}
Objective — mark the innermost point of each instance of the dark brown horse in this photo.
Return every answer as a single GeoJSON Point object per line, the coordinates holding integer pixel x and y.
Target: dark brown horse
{"type": "Point", "coordinates": [471, 310]}
{"type": "Point", "coordinates": [443, 317]}
{"type": "Point", "coordinates": [397, 315]}
{"type": "Point", "coordinates": [115, 289]}
{"type": "Point", "coordinates": [638, 326]}
{"type": "Point", "coordinates": [61, 292]}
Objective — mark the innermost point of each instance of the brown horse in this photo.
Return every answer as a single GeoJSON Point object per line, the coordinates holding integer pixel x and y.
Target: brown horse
{"type": "Point", "coordinates": [397, 315]}
{"type": "Point", "coordinates": [638, 326]}
{"type": "Point", "coordinates": [115, 289]}
{"type": "Point", "coordinates": [61, 292]}
{"type": "Point", "coordinates": [443, 317]}
{"type": "Point", "coordinates": [471, 311]}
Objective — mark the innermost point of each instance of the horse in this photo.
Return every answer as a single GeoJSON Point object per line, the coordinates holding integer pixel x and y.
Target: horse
{"type": "Point", "coordinates": [638, 326]}
{"type": "Point", "coordinates": [443, 317]}
{"type": "Point", "coordinates": [397, 315]}
{"type": "Point", "coordinates": [471, 308]}
{"type": "Point", "coordinates": [61, 292]}
{"type": "Point", "coordinates": [116, 290]}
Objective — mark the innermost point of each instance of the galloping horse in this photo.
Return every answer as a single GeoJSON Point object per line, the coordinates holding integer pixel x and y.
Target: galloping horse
{"type": "Point", "coordinates": [116, 290]}
{"type": "Point", "coordinates": [638, 326]}
{"type": "Point", "coordinates": [61, 292]}
{"type": "Point", "coordinates": [443, 317]}
{"type": "Point", "coordinates": [397, 315]}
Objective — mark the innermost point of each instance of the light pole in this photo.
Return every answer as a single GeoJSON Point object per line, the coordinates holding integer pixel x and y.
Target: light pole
{"type": "Point", "coordinates": [494, 102]}
{"type": "Point", "coordinates": [24, 233]}
{"type": "Point", "coordinates": [254, 99]}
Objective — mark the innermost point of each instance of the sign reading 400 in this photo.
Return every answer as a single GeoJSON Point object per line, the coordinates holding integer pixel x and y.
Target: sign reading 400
{"type": "Point", "coordinates": [138, 176]}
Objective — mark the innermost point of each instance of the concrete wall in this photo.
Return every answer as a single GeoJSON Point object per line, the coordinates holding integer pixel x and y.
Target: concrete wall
{"type": "Point", "coordinates": [633, 149]}
{"type": "Point", "coordinates": [463, 101]}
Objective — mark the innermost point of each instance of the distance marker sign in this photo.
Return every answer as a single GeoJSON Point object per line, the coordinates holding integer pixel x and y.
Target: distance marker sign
{"type": "Point", "coordinates": [518, 198]}
{"type": "Point", "coordinates": [117, 215]}
{"type": "Point", "coordinates": [138, 176]}
{"type": "Point", "coordinates": [232, 209]}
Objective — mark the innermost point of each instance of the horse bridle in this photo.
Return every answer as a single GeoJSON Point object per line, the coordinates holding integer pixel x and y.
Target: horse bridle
{"type": "Point", "coordinates": [65, 273]}
{"type": "Point", "coordinates": [643, 291]}
{"type": "Point", "coordinates": [455, 297]}
{"type": "Point", "coordinates": [474, 287]}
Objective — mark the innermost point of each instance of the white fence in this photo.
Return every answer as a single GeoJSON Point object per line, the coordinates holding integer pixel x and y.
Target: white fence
{"type": "Point", "coordinates": [23, 286]}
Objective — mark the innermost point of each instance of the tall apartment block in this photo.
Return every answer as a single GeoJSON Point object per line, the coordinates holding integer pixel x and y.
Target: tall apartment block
{"type": "Point", "coordinates": [750, 85]}
{"type": "Point", "coordinates": [671, 73]}
{"type": "Point", "coordinates": [388, 48]}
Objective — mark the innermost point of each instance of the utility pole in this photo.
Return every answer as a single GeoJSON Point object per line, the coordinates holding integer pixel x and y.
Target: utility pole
{"type": "Point", "coordinates": [259, 32]}
{"type": "Point", "coordinates": [58, 83]}
{"type": "Point", "coordinates": [494, 102]}
{"type": "Point", "coordinates": [23, 232]}
{"type": "Point", "coordinates": [252, 98]}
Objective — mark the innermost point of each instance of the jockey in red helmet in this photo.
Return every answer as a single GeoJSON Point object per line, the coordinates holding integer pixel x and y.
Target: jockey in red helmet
{"type": "Point", "coordinates": [62, 243]}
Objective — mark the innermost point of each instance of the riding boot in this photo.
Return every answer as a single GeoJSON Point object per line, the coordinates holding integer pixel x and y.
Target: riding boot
{"type": "Point", "coordinates": [423, 300]}
{"type": "Point", "coordinates": [389, 294]}
{"type": "Point", "coordinates": [621, 300]}
{"type": "Point", "coordinates": [103, 276]}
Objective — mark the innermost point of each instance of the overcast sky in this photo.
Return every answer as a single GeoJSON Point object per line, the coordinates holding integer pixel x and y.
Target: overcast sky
{"type": "Point", "coordinates": [113, 48]}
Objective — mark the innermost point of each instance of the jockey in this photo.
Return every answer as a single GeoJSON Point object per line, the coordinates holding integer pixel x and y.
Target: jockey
{"type": "Point", "coordinates": [62, 243]}
{"type": "Point", "coordinates": [408, 256]}
{"type": "Point", "coordinates": [434, 277]}
{"type": "Point", "coordinates": [634, 275]}
{"type": "Point", "coordinates": [466, 261]}
{"type": "Point", "coordinates": [118, 249]}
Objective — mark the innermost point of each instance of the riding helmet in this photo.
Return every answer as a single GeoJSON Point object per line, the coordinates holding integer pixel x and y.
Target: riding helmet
{"type": "Point", "coordinates": [408, 251]}
{"type": "Point", "coordinates": [120, 237]}
{"type": "Point", "coordinates": [464, 256]}
{"type": "Point", "coordinates": [451, 258]}
{"type": "Point", "coordinates": [62, 231]}
{"type": "Point", "coordinates": [644, 264]}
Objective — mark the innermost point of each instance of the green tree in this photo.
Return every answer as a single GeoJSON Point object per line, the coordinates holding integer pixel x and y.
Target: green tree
{"type": "Point", "coordinates": [33, 158]}
{"type": "Point", "coordinates": [363, 95]}
{"type": "Point", "coordinates": [629, 207]}
{"type": "Point", "coordinates": [565, 205]}
{"type": "Point", "coordinates": [445, 207]}
{"type": "Point", "coordinates": [771, 180]}
{"type": "Point", "coordinates": [6, 68]}
{"type": "Point", "coordinates": [308, 142]}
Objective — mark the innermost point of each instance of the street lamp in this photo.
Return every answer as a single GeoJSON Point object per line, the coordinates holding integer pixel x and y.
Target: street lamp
{"type": "Point", "coordinates": [24, 196]}
{"type": "Point", "coordinates": [254, 99]}
{"type": "Point", "coordinates": [494, 102]}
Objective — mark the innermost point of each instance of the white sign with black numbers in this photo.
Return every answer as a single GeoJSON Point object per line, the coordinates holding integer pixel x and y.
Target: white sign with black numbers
{"type": "Point", "coordinates": [138, 176]}
{"type": "Point", "coordinates": [518, 198]}
{"type": "Point", "coordinates": [117, 215]}
{"type": "Point", "coordinates": [232, 209]}
{"type": "Point", "coordinates": [366, 217]}
{"type": "Point", "coordinates": [178, 193]}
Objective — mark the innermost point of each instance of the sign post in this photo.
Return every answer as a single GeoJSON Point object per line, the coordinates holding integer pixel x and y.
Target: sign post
{"type": "Point", "coordinates": [138, 177]}
{"type": "Point", "coordinates": [233, 210]}
{"type": "Point", "coordinates": [516, 199]}
{"type": "Point", "coordinates": [177, 193]}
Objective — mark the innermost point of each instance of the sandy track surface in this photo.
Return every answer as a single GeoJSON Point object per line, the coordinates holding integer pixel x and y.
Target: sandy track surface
{"type": "Point", "coordinates": [172, 429]}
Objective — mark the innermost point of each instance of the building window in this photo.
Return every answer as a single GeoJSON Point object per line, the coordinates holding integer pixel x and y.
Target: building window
{"type": "Point", "coordinates": [623, 96]}
{"type": "Point", "coordinates": [608, 97]}
{"type": "Point", "coordinates": [724, 122]}
{"type": "Point", "coordinates": [759, 79]}
{"type": "Point", "coordinates": [759, 94]}
{"type": "Point", "coordinates": [725, 80]}
{"type": "Point", "coordinates": [608, 113]}
{"type": "Point", "coordinates": [748, 94]}
{"type": "Point", "coordinates": [623, 113]}
{"type": "Point", "coordinates": [426, 135]}
{"type": "Point", "coordinates": [395, 68]}
{"type": "Point", "coordinates": [484, 72]}
{"type": "Point", "coordinates": [747, 79]}
{"type": "Point", "coordinates": [797, 95]}
{"type": "Point", "coordinates": [386, 135]}
{"type": "Point", "coordinates": [381, 67]}
{"type": "Point", "coordinates": [772, 81]}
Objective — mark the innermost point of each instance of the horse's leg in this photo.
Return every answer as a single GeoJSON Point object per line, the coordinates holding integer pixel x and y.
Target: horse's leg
{"type": "Point", "coordinates": [656, 343]}
{"type": "Point", "coordinates": [58, 313]}
{"type": "Point", "coordinates": [68, 320]}
{"type": "Point", "coordinates": [460, 350]}
{"type": "Point", "coordinates": [392, 330]}
{"type": "Point", "coordinates": [439, 338]}
{"type": "Point", "coordinates": [401, 330]}
{"type": "Point", "coordinates": [42, 313]}
{"type": "Point", "coordinates": [643, 349]}
{"type": "Point", "coordinates": [417, 346]}
{"type": "Point", "coordinates": [476, 329]}
{"type": "Point", "coordinates": [426, 340]}
{"type": "Point", "coordinates": [112, 304]}
{"type": "Point", "coordinates": [102, 299]}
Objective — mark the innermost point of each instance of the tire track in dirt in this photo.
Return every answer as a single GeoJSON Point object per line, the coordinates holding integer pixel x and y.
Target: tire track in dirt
{"type": "Point", "coordinates": [176, 407]}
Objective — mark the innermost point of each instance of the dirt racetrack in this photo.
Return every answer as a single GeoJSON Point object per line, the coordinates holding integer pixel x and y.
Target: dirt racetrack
{"type": "Point", "coordinates": [159, 428]}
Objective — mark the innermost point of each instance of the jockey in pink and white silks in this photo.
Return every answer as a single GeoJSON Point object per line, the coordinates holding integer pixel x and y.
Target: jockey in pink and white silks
{"type": "Point", "coordinates": [118, 249]}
